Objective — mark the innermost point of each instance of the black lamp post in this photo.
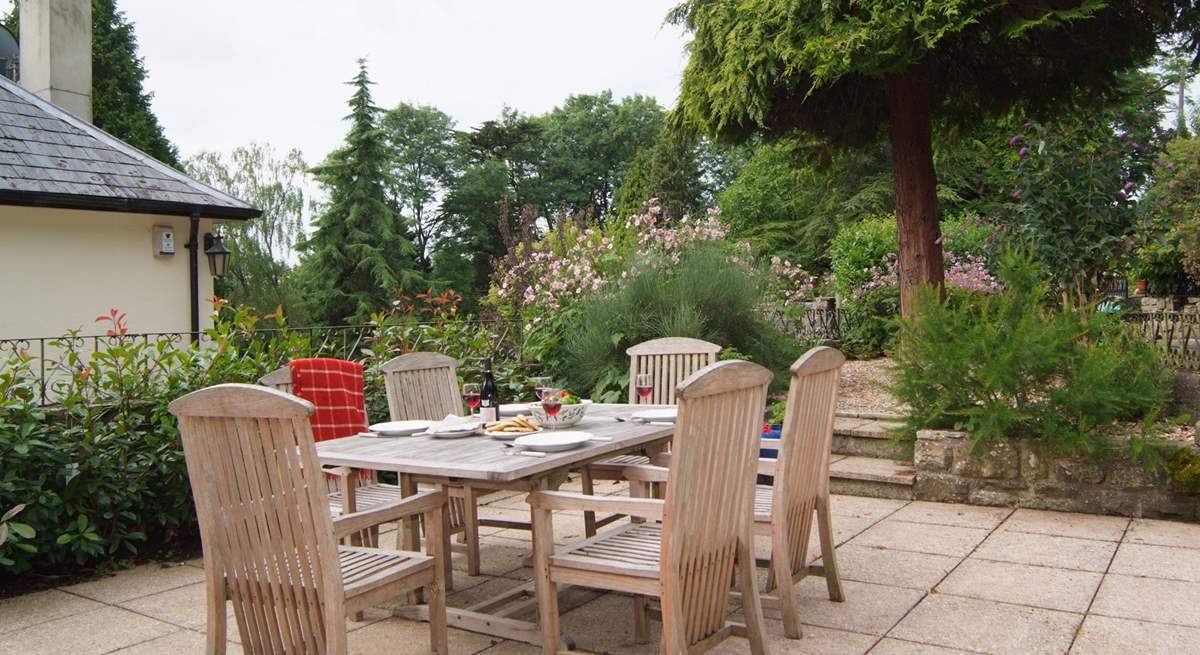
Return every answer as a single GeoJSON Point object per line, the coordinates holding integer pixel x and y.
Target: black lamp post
{"type": "Point", "coordinates": [218, 254]}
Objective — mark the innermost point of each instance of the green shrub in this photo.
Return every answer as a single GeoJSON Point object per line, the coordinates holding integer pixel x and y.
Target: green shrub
{"type": "Point", "coordinates": [859, 250]}
{"type": "Point", "coordinates": [704, 296]}
{"type": "Point", "coordinates": [101, 473]}
{"type": "Point", "coordinates": [1012, 365]}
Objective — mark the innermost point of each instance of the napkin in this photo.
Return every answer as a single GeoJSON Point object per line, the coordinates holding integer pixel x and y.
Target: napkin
{"type": "Point", "coordinates": [454, 423]}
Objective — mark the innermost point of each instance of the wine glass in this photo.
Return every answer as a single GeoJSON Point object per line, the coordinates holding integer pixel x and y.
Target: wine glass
{"type": "Point", "coordinates": [540, 384]}
{"type": "Point", "coordinates": [644, 386]}
{"type": "Point", "coordinates": [551, 402]}
{"type": "Point", "coordinates": [470, 394]}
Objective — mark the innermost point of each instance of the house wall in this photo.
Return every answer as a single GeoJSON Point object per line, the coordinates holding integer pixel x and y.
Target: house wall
{"type": "Point", "coordinates": [61, 268]}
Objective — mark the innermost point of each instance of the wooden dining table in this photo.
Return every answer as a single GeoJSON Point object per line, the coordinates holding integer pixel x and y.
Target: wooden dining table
{"type": "Point", "coordinates": [483, 462]}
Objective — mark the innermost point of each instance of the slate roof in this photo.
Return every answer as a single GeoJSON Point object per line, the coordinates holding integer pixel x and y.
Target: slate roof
{"type": "Point", "coordinates": [49, 158]}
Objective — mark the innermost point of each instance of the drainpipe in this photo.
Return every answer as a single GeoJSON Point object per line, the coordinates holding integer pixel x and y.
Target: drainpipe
{"type": "Point", "coordinates": [194, 272]}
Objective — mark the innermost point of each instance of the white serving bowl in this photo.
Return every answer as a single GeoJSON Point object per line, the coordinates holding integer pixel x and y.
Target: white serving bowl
{"type": "Point", "coordinates": [567, 416]}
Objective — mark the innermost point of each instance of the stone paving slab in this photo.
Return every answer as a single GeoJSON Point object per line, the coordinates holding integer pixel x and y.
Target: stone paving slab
{"type": "Point", "coordinates": [1103, 635]}
{"type": "Point", "coordinates": [1149, 599]}
{"type": "Point", "coordinates": [988, 627]}
{"type": "Point", "coordinates": [1022, 584]}
{"type": "Point", "coordinates": [922, 537]}
{"type": "Point", "coordinates": [1047, 550]}
{"type": "Point", "coordinates": [1157, 562]}
{"type": "Point", "coordinates": [999, 581]}
{"type": "Point", "coordinates": [1063, 524]}
{"type": "Point", "coordinates": [1164, 533]}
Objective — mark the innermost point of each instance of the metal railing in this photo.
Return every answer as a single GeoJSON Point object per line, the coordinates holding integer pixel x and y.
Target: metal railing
{"type": "Point", "coordinates": [1177, 335]}
{"type": "Point", "coordinates": [48, 354]}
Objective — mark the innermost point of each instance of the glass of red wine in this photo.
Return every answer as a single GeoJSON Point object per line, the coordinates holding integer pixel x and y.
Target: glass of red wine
{"type": "Point", "coordinates": [644, 386]}
{"type": "Point", "coordinates": [540, 384]}
{"type": "Point", "coordinates": [470, 394]}
{"type": "Point", "coordinates": [551, 402]}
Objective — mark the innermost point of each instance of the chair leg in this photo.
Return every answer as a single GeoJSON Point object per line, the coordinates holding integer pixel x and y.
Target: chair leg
{"type": "Point", "coordinates": [438, 544]}
{"type": "Point", "coordinates": [216, 631]}
{"type": "Point", "coordinates": [782, 575]}
{"type": "Point", "coordinates": [547, 591]}
{"type": "Point", "coordinates": [833, 581]}
{"type": "Point", "coordinates": [756, 628]}
{"type": "Point", "coordinates": [589, 518]}
{"type": "Point", "coordinates": [471, 530]}
{"type": "Point", "coordinates": [641, 628]}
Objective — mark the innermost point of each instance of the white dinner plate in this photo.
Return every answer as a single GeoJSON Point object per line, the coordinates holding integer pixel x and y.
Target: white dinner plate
{"type": "Point", "coordinates": [667, 415]}
{"type": "Point", "coordinates": [509, 436]}
{"type": "Point", "coordinates": [451, 434]}
{"type": "Point", "coordinates": [400, 428]}
{"type": "Point", "coordinates": [553, 442]}
{"type": "Point", "coordinates": [515, 409]}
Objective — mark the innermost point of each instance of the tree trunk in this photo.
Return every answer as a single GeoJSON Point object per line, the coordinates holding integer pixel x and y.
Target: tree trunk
{"type": "Point", "coordinates": [915, 185]}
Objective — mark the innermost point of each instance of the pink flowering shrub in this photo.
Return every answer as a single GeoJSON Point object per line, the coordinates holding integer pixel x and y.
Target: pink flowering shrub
{"type": "Point", "coordinates": [572, 261]}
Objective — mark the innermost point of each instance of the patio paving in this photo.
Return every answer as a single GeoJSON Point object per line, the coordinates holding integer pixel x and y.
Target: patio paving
{"type": "Point", "coordinates": [919, 578]}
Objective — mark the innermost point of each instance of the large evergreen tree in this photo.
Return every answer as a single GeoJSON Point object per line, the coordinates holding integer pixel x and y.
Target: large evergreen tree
{"type": "Point", "coordinates": [357, 257]}
{"type": "Point", "coordinates": [120, 102]}
{"type": "Point", "coordinates": [847, 71]}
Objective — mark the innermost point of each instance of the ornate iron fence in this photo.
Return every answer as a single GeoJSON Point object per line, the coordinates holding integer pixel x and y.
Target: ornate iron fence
{"type": "Point", "coordinates": [815, 324]}
{"type": "Point", "coordinates": [1177, 335]}
{"type": "Point", "coordinates": [341, 341]}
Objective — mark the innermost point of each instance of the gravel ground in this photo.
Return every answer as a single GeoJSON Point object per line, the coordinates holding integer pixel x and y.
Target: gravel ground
{"type": "Point", "coordinates": [862, 387]}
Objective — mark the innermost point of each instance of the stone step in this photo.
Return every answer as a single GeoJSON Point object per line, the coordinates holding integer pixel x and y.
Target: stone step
{"type": "Point", "coordinates": [865, 437]}
{"type": "Point", "coordinates": [876, 477]}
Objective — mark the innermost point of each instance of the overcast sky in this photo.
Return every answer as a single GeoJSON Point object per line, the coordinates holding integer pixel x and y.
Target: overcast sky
{"type": "Point", "coordinates": [228, 72]}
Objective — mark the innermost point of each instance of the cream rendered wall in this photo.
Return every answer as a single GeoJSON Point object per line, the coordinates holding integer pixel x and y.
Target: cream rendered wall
{"type": "Point", "coordinates": [60, 268]}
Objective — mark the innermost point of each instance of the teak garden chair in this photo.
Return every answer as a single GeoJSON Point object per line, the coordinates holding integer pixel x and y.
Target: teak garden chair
{"type": "Point", "coordinates": [785, 509]}
{"type": "Point", "coordinates": [669, 360]}
{"type": "Point", "coordinates": [424, 386]}
{"type": "Point", "coordinates": [349, 491]}
{"type": "Point", "coordinates": [270, 544]}
{"type": "Point", "coordinates": [689, 559]}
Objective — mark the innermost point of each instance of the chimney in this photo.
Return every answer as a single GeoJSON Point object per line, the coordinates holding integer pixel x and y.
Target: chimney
{"type": "Point", "coordinates": [56, 52]}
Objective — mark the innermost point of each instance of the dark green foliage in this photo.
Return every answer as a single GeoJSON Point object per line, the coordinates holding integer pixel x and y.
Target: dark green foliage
{"type": "Point", "coordinates": [357, 257]}
{"type": "Point", "coordinates": [793, 196]}
{"type": "Point", "coordinates": [778, 65]}
{"type": "Point", "coordinates": [671, 171]}
{"type": "Point", "coordinates": [101, 472]}
{"type": "Point", "coordinates": [1011, 365]}
{"type": "Point", "coordinates": [590, 141]}
{"type": "Point", "coordinates": [424, 153]}
{"type": "Point", "coordinates": [120, 103]}
{"type": "Point", "coordinates": [704, 296]}
{"type": "Point", "coordinates": [1168, 233]}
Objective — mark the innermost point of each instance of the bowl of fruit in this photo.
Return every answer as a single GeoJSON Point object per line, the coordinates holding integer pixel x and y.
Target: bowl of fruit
{"type": "Point", "coordinates": [559, 409]}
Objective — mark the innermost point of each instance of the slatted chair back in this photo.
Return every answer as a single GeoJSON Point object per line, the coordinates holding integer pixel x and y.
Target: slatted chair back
{"type": "Point", "coordinates": [280, 378]}
{"type": "Point", "coordinates": [264, 518]}
{"type": "Point", "coordinates": [806, 441]}
{"type": "Point", "coordinates": [709, 505]}
{"type": "Point", "coordinates": [422, 386]}
{"type": "Point", "coordinates": [669, 360]}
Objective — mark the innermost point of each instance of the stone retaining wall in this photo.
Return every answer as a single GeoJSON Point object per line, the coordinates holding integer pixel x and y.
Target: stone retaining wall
{"type": "Point", "coordinates": [1015, 474]}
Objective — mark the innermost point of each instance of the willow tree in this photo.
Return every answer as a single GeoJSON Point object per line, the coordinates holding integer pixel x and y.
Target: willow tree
{"type": "Point", "coordinates": [854, 71]}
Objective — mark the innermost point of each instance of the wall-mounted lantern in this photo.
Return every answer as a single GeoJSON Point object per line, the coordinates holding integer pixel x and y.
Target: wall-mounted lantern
{"type": "Point", "coordinates": [218, 254]}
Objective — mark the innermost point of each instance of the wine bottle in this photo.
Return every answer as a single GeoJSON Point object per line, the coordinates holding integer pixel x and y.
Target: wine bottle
{"type": "Point", "coordinates": [489, 395]}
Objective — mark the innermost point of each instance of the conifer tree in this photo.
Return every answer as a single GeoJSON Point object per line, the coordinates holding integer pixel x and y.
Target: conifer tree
{"type": "Point", "coordinates": [357, 256]}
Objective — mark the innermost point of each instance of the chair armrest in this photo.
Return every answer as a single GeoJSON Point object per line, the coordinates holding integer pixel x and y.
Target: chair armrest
{"type": "Point", "coordinates": [771, 444]}
{"type": "Point", "coordinates": [421, 503]}
{"type": "Point", "coordinates": [767, 466]}
{"type": "Point", "coordinates": [648, 508]}
{"type": "Point", "coordinates": [662, 460]}
{"type": "Point", "coordinates": [644, 473]}
{"type": "Point", "coordinates": [337, 471]}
